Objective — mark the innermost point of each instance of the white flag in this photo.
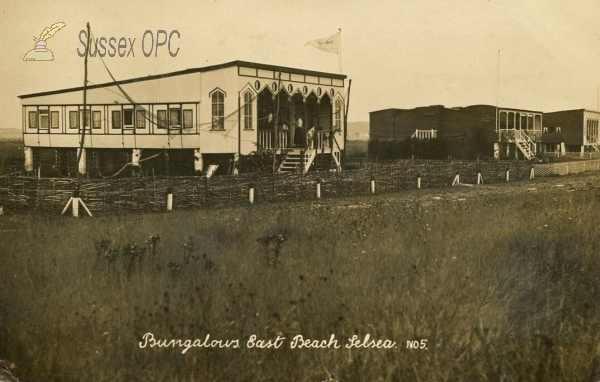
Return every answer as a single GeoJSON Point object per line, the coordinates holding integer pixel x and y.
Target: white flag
{"type": "Point", "coordinates": [330, 44]}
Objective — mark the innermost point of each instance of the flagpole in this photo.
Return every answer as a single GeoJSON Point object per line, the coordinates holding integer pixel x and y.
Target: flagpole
{"type": "Point", "coordinates": [340, 29]}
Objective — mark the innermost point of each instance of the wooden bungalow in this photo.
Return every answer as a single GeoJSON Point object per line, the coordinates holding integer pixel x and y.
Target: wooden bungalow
{"type": "Point", "coordinates": [574, 131]}
{"type": "Point", "coordinates": [201, 116]}
{"type": "Point", "coordinates": [477, 130]}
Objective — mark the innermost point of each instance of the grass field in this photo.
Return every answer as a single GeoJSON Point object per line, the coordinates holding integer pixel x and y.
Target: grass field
{"type": "Point", "coordinates": [503, 286]}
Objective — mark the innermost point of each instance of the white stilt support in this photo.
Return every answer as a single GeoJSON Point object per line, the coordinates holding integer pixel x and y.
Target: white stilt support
{"type": "Point", "coordinates": [456, 180]}
{"type": "Point", "coordinates": [136, 154]}
{"type": "Point", "coordinates": [198, 164]}
{"type": "Point", "coordinates": [169, 198]}
{"type": "Point", "coordinates": [532, 173]}
{"type": "Point", "coordinates": [28, 151]}
{"type": "Point", "coordinates": [479, 178]}
{"type": "Point", "coordinates": [82, 165]}
{"type": "Point", "coordinates": [508, 174]}
{"type": "Point", "coordinates": [496, 150]}
{"type": "Point", "coordinates": [251, 193]}
{"type": "Point", "coordinates": [372, 185]}
{"type": "Point", "coordinates": [74, 202]}
{"type": "Point", "coordinates": [236, 160]}
{"type": "Point", "coordinates": [318, 188]}
{"type": "Point", "coordinates": [418, 182]}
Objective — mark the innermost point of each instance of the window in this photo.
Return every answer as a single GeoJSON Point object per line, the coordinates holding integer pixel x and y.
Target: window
{"type": "Point", "coordinates": [174, 118]}
{"type": "Point", "coordinates": [188, 119]}
{"type": "Point", "coordinates": [248, 110]}
{"type": "Point", "coordinates": [87, 118]}
{"type": "Point", "coordinates": [161, 115]}
{"type": "Point", "coordinates": [73, 121]}
{"type": "Point", "coordinates": [33, 122]}
{"type": "Point", "coordinates": [558, 129]}
{"type": "Point", "coordinates": [116, 119]}
{"type": "Point", "coordinates": [140, 119]}
{"type": "Point", "coordinates": [545, 130]}
{"type": "Point", "coordinates": [96, 119]}
{"type": "Point", "coordinates": [128, 118]}
{"type": "Point", "coordinates": [54, 119]}
{"type": "Point", "coordinates": [44, 123]}
{"type": "Point", "coordinates": [337, 123]}
{"type": "Point", "coordinates": [218, 110]}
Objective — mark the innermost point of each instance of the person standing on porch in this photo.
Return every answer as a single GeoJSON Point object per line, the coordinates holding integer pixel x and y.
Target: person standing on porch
{"type": "Point", "coordinates": [298, 132]}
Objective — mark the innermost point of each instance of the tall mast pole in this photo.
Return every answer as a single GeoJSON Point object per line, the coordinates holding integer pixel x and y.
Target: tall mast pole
{"type": "Point", "coordinates": [498, 92]}
{"type": "Point", "coordinates": [340, 29]}
{"type": "Point", "coordinates": [85, 80]}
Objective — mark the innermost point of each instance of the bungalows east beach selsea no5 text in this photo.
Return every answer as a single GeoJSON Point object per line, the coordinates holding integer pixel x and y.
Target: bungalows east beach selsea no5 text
{"type": "Point", "coordinates": [212, 116]}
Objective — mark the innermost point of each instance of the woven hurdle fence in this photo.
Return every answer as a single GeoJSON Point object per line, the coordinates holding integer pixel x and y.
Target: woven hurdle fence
{"type": "Point", "coordinates": [149, 194]}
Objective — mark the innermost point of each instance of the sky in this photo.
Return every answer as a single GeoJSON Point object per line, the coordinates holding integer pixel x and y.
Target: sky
{"type": "Point", "coordinates": [529, 54]}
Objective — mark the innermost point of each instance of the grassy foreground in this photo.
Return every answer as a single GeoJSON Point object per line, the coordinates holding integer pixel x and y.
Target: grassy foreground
{"type": "Point", "coordinates": [502, 287]}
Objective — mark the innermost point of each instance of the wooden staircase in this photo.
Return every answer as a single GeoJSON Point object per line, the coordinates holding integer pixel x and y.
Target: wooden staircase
{"type": "Point", "coordinates": [297, 160]}
{"type": "Point", "coordinates": [525, 144]}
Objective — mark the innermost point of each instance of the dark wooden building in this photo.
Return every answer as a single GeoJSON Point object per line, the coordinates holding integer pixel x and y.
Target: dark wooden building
{"type": "Point", "coordinates": [464, 132]}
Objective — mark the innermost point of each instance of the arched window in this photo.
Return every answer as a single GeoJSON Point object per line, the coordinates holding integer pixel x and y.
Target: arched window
{"type": "Point", "coordinates": [248, 110]}
{"type": "Point", "coordinates": [337, 114]}
{"type": "Point", "coordinates": [218, 110]}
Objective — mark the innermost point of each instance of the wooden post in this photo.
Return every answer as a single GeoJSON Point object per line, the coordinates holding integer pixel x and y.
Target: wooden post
{"type": "Point", "coordinates": [479, 177]}
{"type": "Point", "coordinates": [75, 202]}
{"type": "Point", "coordinates": [532, 173]}
{"type": "Point", "coordinates": [169, 198]}
{"type": "Point", "coordinates": [372, 184]}
{"type": "Point", "coordinates": [251, 193]}
{"type": "Point", "coordinates": [318, 188]}
{"type": "Point", "coordinates": [419, 181]}
{"type": "Point", "coordinates": [508, 174]}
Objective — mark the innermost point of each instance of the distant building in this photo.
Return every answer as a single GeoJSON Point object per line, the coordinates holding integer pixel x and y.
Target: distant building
{"type": "Point", "coordinates": [571, 131]}
{"type": "Point", "coordinates": [466, 132]}
{"type": "Point", "coordinates": [199, 116]}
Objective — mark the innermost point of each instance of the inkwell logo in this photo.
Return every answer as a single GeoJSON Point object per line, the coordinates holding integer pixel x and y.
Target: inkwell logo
{"type": "Point", "coordinates": [40, 53]}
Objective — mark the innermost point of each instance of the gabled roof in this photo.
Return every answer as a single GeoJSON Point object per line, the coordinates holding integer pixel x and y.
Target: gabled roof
{"type": "Point", "coordinates": [283, 69]}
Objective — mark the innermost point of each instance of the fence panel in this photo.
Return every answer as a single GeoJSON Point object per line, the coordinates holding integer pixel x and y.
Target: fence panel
{"type": "Point", "coordinates": [149, 194]}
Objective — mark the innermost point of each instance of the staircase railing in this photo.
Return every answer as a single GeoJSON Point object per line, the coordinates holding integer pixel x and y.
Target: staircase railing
{"type": "Point", "coordinates": [424, 134]}
{"type": "Point", "coordinates": [335, 154]}
{"type": "Point", "coordinates": [521, 136]}
{"type": "Point", "coordinates": [323, 139]}
{"type": "Point", "coordinates": [308, 156]}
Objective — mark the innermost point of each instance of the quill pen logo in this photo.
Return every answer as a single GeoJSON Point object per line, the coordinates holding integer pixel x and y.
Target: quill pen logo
{"type": "Point", "coordinates": [40, 53]}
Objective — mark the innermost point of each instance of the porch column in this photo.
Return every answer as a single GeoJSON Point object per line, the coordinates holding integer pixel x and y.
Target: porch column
{"type": "Point", "coordinates": [582, 150]}
{"type": "Point", "coordinates": [198, 162]}
{"type": "Point", "coordinates": [496, 150]}
{"type": "Point", "coordinates": [28, 151]}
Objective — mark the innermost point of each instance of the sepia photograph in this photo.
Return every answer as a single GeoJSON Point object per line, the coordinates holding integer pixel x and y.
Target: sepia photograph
{"type": "Point", "coordinates": [310, 191]}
